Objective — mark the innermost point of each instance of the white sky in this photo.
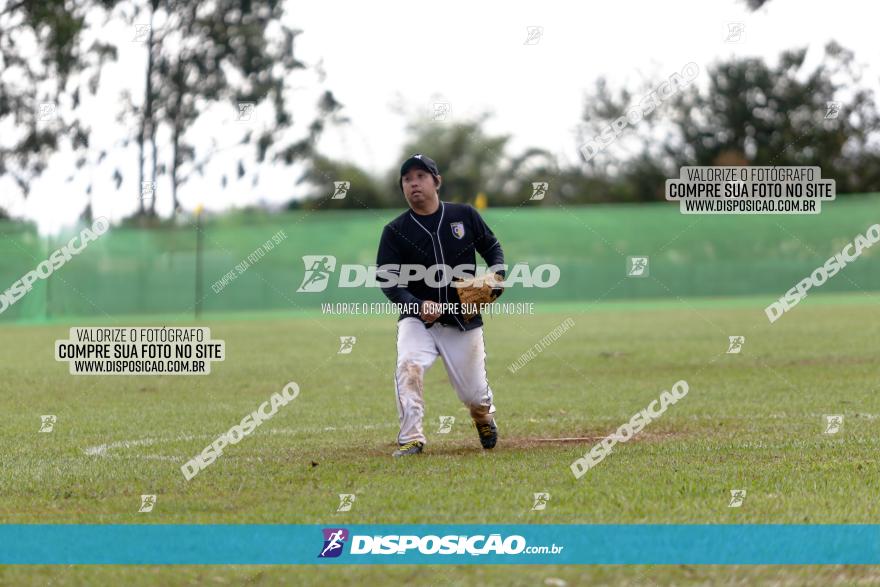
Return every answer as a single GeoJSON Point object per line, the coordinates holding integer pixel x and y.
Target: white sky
{"type": "Point", "coordinates": [470, 54]}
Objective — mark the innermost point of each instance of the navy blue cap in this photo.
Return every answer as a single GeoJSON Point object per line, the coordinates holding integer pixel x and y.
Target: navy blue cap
{"type": "Point", "coordinates": [422, 161]}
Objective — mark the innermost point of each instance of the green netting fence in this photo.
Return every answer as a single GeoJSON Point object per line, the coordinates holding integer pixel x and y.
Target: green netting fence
{"type": "Point", "coordinates": [141, 271]}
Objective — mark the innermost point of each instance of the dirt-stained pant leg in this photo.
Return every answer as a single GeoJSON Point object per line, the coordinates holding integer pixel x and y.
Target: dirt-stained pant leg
{"type": "Point", "coordinates": [416, 352]}
{"type": "Point", "coordinates": [464, 354]}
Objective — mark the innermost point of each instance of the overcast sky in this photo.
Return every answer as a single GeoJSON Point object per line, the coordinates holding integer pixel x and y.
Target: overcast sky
{"type": "Point", "coordinates": [473, 55]}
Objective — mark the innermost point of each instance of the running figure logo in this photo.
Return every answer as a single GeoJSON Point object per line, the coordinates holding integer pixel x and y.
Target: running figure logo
{"type": "Point", "coordinates": [346, 344]}
{"type": "Point", "coordinates": [636, 266]}
{"type": "Point", "coordinates": [346, 500]}
{"type": "Point", "coordinates": [833, 424]}
{"type": "Point", "coordinates": [318, 270]}
{"type": "Point", "coordinates": [141, 33]}
{"type": "Point", "coordinates": [541, 500]}
{"type": "Point", "coordinates": [832, 109]}
{"type": "Point", "coordinates": [47, 423]}
{"type": "Point", "coordinates": [735, 32]}
{"type": "Point", "coordinates": [539, 189]}
{"type": "Point", "coordinates": [46, 111]}
{"type": "Point", "coordinates": [446, 423]}
{"type": "Point", "coordinates": [737, 496]}
{"type": "Point", "coordinates": [147, 503]}
{"type": "Point", "coordinates": [440, 111]}
{"type": "Point", "coordinates": [245, 111]}
{"type": "Point", "coordinates": [148, 190]}
{"type": "Point", "coordinates": [533, 35]}
{"type": "Point", "coordinates": [736, 344]}
{"type": "Point", "coordinates": [334, 540]}
{"type": "Point", "coordinates": [340, 189]}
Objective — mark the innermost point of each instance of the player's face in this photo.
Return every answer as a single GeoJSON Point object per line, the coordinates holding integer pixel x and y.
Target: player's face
{"type": "Point", "coordinates": [419, 187]}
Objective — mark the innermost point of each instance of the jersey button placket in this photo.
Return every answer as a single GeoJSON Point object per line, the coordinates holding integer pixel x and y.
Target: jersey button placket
{"type": "Point", "coordinates": [443, 261]}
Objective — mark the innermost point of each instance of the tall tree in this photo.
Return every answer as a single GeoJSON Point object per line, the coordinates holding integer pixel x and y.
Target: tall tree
{"type": "Point", "coordinates": [747, 113]}
{"type": "Point", "coordinates": [358, 189]}
{"type": "Point", "coordinates": [231, 53]}
{"type": "Point", "coordinates": [472, 161]}
{"type": "Point", "coordinates": [468, 157]}
{"type": "Point", "coordinates": [44, 72]}
{"type": "Point", "coordinates": [199, 56]}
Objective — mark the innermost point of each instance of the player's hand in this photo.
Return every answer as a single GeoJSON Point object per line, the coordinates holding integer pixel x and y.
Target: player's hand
{"type": "Point", "coordinates": [430, 311]}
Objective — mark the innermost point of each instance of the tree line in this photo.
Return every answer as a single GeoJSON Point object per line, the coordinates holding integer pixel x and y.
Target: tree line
{"type": "Point", "coordinates": [238, 54]}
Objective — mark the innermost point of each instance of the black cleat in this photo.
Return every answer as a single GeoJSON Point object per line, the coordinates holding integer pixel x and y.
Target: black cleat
{"type": "Point", "coordinates": [488, 434]}
{"type": "Point", "coordinates": [413, 447]}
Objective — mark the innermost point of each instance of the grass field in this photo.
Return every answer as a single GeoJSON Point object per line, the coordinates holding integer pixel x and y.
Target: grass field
{"type": "Point", "coordinates": [752, 421]}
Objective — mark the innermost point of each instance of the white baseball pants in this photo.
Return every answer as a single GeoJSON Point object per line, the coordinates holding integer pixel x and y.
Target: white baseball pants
{"type": "Point", "coordinates": [464, 355]}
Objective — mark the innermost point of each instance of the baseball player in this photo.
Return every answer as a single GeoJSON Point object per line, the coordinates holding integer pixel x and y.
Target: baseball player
{"type": "Point", "coordinates": [435, 321]}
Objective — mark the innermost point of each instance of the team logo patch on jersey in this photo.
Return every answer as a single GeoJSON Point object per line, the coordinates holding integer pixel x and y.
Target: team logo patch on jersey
{"type": "Point", "coordinates": [457, 229]}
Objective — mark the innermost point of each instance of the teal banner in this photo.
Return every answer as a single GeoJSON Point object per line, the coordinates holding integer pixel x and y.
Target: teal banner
{"type": "Point", "coordinates": [248, 544]}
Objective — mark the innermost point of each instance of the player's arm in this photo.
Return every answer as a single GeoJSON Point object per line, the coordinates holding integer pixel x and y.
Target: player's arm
{"type": "Point", "coordinates": [389, 254]}
{"type": "Point", "coordinates": [486, 244]}
{"type": "Point", "coordinates": [475, 292]}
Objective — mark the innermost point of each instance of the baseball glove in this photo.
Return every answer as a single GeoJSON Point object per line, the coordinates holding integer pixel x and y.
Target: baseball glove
{"type": "Point", "coordinates": [475, 292]}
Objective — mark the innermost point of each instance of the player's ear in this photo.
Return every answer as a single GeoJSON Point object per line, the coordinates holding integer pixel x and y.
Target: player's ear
{"type": "Point", "coordinates": [438, 181]}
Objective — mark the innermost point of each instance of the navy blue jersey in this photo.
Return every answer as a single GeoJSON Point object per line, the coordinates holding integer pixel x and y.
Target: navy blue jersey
{"type": "Point", "coordinates": [460, 233]}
